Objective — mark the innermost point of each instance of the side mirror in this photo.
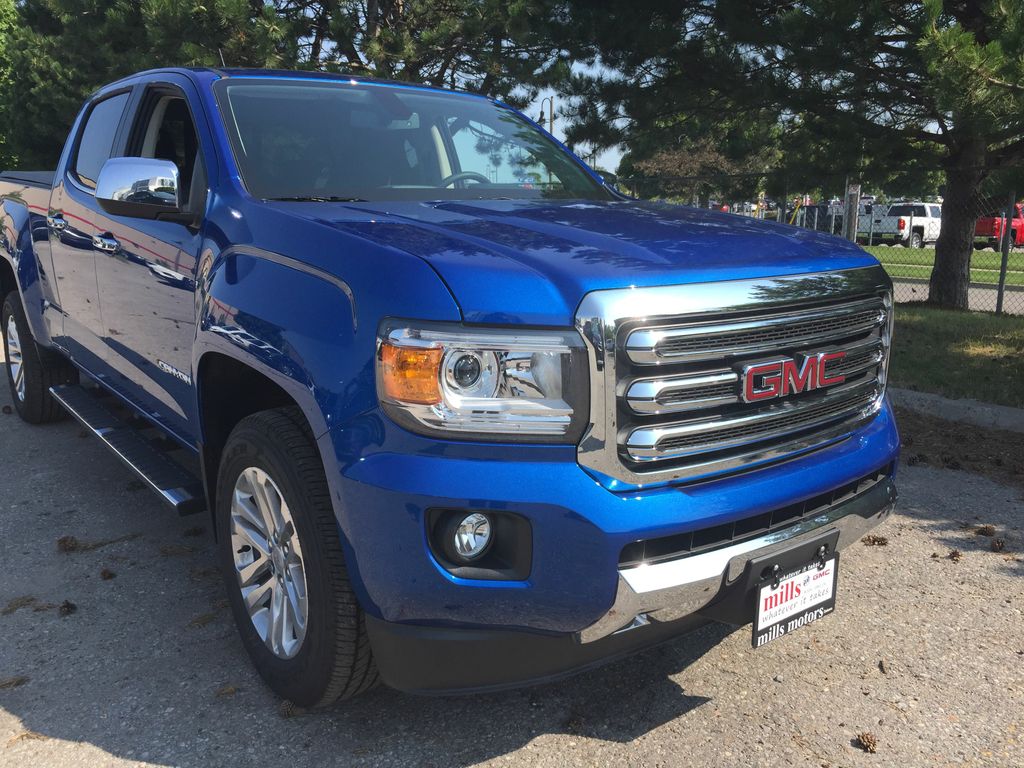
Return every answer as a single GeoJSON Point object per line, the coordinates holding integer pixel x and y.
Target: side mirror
{"type": "Point", "coordinates": [139, 187]}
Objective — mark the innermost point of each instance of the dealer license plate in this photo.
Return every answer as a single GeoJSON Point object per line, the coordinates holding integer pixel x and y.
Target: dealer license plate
{"type": "Point", "coordinates": [800, 598]}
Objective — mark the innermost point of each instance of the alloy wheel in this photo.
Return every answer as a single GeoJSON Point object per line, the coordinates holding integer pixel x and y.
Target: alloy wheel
{"type": "Point", "coordinates": [268, 562]}
{"type": "Point", "coordinates": [15, 359]}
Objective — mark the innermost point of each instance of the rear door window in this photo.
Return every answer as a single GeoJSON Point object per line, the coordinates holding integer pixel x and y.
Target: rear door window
{"type": "Point", "coordinates": [98, 138]}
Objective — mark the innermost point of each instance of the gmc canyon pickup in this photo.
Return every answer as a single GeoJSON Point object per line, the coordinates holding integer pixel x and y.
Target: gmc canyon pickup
{"type": "Point", "coordinates": [464, 417]}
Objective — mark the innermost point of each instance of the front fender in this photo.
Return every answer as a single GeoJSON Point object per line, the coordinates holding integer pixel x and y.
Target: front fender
{"type": "Point", "coordinates": [310, 331]}
{"type": "Point", "coordinates": [313, 333]}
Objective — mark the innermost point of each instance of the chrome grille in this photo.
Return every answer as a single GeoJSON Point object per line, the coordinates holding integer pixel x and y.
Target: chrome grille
{"type": "Point", "coordinates": [667, 383]}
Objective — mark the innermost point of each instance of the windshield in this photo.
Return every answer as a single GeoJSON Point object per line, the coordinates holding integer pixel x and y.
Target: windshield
{"type": "Point", "coordinates": [357, 141]}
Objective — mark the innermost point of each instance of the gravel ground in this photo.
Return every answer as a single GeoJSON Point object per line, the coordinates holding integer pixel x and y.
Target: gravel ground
{"type": "Point", "coordinates": [142, 666]}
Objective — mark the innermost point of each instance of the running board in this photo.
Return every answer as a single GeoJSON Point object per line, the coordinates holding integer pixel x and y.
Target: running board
{"type": "Point", "coordinates": [175, 484]}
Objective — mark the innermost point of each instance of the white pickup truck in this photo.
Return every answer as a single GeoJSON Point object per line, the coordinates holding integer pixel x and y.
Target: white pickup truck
{"type": "Point", "coordinates": [911, 224]}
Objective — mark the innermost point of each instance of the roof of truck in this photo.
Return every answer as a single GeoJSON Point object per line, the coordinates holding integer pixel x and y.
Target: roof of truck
{"type": "Point", "coordinates": [291, 74]}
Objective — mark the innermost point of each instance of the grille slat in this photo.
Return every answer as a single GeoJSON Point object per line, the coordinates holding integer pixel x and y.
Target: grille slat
{"type": "Point", "coordinates": [661, 443]}
{"type": "Point", "coordinates": [752, 336]}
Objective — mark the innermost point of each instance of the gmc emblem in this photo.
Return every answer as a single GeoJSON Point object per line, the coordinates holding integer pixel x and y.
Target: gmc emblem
{"type": "Point", "coordinates": [779, 378]}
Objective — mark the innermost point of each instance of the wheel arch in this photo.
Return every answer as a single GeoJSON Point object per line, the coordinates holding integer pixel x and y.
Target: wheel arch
{"type": "Point", "coordinates": [230, 388]}
{"type": "Point", "coordinates": [7, 281]}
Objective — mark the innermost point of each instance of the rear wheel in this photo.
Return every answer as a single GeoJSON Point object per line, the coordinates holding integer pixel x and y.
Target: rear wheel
{"type": "Point", "coordinates": [31, 371]}
{"type": "Point", "coordinates": [916, 241]}
{"type": "Point", "coordinates": [281, 555]}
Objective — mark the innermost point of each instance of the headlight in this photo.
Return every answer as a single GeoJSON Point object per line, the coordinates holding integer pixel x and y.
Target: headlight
{"type": "Point", "coordinates": [492, 384]}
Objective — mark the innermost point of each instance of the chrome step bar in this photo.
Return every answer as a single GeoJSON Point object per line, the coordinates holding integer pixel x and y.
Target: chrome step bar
{"type": "Point", "coordinates": [173, 483]}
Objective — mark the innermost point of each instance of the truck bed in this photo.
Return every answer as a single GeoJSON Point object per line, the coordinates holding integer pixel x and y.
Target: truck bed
{"type": "Point", "coordinates": [31, 178]}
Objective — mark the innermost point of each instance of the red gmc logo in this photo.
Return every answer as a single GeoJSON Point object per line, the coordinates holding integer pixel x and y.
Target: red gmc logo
{"type": "Point", "coordinates": [779, 378]}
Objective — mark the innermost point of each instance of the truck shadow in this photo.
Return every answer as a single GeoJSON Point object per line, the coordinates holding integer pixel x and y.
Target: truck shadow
{"type": "Point", "coordinates": [143, 662]}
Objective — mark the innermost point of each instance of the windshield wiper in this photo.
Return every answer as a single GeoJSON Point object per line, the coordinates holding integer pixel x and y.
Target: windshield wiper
{"type": "Point", "coordinates": [317, 199]}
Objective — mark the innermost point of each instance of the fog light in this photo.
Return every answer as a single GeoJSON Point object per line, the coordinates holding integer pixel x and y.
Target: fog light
{"type": "Point", "coordinates": [472, 536]}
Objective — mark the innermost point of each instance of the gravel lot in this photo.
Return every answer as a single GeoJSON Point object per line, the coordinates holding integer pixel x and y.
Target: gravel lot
{"type": "Point", "coordinates": [925, 653]}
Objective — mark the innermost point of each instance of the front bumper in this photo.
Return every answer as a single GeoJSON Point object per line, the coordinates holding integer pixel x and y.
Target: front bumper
{"type": "Point", "coordinates": [579, 528]}
{"type": "Point", "coordinates": [670, 590]}
{"type": "Point", "coordinates": [653, 604]}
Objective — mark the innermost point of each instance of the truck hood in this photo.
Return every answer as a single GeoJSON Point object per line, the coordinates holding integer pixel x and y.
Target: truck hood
{"type": "Point", "coordinates": [531, 262]}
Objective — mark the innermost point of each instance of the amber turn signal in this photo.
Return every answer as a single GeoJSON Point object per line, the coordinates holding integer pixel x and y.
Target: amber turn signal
{"type": "Point", "coordinates": [411, 374]}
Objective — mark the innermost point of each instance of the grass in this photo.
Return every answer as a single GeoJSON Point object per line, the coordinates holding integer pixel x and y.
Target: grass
{"type": "Point", "coordinates": [959, 354]}
{"type": "Point", "coordinates": [917, 263]}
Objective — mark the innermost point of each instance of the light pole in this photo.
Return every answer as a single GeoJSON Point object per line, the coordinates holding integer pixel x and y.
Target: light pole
{"type": "Point", "coordinates": [551, 114]}
{"type": "Point", "coordinates": [551, 122]}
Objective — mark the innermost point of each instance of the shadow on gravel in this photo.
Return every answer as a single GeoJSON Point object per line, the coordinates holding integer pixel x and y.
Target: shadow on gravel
{"type": "Point", "coordinates": [145, 664]}
{"type": "Point", "coordinates": [189, 724]}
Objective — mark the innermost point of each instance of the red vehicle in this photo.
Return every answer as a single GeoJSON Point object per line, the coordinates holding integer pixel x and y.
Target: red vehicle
{"type": "Point", "coordinates": [991, 227]}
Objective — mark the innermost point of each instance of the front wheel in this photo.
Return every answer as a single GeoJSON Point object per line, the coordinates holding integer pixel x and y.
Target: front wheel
{"type": "Point", "coordinates": [280, 551]}
{"type": "Point", "coordinates": [31, 371]}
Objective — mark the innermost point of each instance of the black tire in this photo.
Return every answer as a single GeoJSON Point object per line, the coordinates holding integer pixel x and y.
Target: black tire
{"type": "Point", "coordinates": [1013, 239]}
{"type": "Point", "coordinates": [916, 241]}
{"type": "Point", "coordinates": [334, 660]}
{"type": "Point", "coordinates": [41, 368]}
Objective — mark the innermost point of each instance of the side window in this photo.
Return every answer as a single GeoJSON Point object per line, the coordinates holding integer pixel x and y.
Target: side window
{"type": "Point", "coordinates": [919, 211]}
{"type": "Point", "coordinates": [165, 131]}
{"type": "Point", "coordinates": [98, 138]}
{"type": "Point", "coordinates": [935, 211]}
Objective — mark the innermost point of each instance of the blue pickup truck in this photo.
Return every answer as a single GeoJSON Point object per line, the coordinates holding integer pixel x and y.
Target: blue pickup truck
{"type": "Point", "coordinates": [463, 416]}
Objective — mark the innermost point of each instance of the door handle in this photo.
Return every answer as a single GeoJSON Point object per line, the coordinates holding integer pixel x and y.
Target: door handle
{"type": "Point", "coordinates": [106, 243]}
{"type": "Point", "coordinates": [56, 222]}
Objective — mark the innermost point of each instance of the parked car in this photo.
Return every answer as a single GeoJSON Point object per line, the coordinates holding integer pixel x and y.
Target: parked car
{"type": "Point", "coordinates": [463, 417]}
{"type": "Point", "coordinates": [990, 229]}
{"type": "Point", "coordinates": [913, 225]}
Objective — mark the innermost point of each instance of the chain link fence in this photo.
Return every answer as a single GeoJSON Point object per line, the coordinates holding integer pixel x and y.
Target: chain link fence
{"type": "Point", "coordinates": [900, 232]}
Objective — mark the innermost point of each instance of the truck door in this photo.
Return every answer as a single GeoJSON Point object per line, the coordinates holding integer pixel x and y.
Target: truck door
{"type": "Point", "coordinates": [70, 224]}
{"type": "Point", "coordinates": [147, 274]}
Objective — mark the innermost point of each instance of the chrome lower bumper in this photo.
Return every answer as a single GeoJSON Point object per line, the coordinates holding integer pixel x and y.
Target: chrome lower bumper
{"type": "Point", "coordinates": [677, 588]}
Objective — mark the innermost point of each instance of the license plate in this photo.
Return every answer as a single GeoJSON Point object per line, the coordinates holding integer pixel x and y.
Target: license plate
{"type": "Point", "coordinates": [795, 600]}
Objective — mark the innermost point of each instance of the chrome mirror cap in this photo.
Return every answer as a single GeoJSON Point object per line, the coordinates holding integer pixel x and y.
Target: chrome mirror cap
{"type": "Point", "coordinates": [139, 186]}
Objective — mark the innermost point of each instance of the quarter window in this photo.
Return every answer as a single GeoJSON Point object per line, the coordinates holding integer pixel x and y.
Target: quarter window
{"type": "Point", "coordinates": [98, 138]}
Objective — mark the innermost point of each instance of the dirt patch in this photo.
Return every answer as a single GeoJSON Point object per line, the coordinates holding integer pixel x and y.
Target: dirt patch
{"type": "Point", "coordinates": [25, 736]}
{"type": "Point", "coordinates": [931, 441]}
{"type": "Point", "coordinates": [13, 682]}
{"type": "Point", "coordinates": [202, 620]}
{"type": "Point", "coordinates": [176, 550]}
{"type": "Point", "coordinates": [874, 540]}
{"type": "Point", "coordinates": [69, 544]}
{"type": "Point", "coordinates": [17, 604]}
